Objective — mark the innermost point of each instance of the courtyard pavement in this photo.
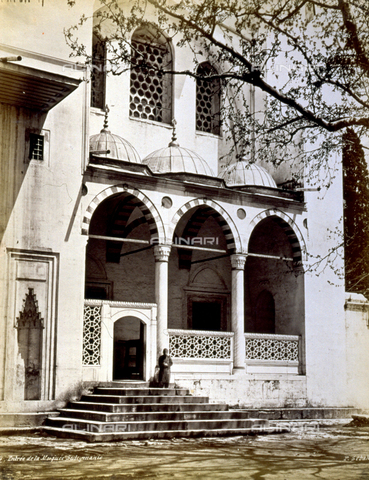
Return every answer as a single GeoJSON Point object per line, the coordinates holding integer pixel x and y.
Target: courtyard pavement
{"type": "Point", "coordinates": [307, 452]}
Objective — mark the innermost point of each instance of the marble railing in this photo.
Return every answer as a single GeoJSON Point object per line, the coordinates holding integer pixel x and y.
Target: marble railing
{"type": "Point", "coordinates": [199, 344]}
{"type": "Point", "coordinates": [272, 348]}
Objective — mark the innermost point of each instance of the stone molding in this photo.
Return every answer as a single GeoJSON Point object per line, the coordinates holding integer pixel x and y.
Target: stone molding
{"type": "Point", "coordinates": [161, 253]}
{"type": "Point", "coordinates": [113, 303]}
{"type": "Point", "coordinates": [238, 261]}
{"type": "Point", "coordinates": [200, 332]}
{"type": "Point", "coordinates": [272, 336]}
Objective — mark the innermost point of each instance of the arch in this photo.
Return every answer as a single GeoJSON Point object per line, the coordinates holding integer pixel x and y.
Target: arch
{"type": "Point", "coordinates": [151, 95]}
{"type": "Point", "coordinates": [208, 95]}
{"type": "Point", "coordinates": [290, 228]}
{"type": "Point", "coordinates": [119, 314]}
{"type": "Point", "coordinates": [229, 228]}
{"type": "Point", "coordinates": [150, 212]}
{"type": "Point", "coordinates": [203, 269]}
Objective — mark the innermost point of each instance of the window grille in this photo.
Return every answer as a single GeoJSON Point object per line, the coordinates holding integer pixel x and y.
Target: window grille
{"type": "Point", "coordinates": [36, 149]}
{"type": "Point", "coordinates": [150, 88]}
{"type": "Point", "coordinates": [98, 72]}
{"type": "Point", "coordinates": [207, 100]}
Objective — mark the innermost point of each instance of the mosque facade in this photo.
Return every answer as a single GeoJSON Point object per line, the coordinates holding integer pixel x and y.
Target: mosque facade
{"type": "Point", "coordinates": [123, 233]}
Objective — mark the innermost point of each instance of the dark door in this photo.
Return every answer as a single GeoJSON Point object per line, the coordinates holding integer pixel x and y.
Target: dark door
{"type": "Point", "coordinates": [206, 316]}
{"type": "Point", "coordinates": [128, 359]}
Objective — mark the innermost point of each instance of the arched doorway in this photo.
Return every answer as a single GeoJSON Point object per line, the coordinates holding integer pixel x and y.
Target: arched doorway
{"type": "Point", "coordinates": [129, 349]}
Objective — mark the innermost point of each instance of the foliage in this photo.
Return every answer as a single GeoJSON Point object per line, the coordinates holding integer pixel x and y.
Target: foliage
{"type": "Point", "coordinates": [307, 60]}
{"type": "Point", "coordinates": [356, 215]}
{"type": "Point", "coordinates": [303, 63]}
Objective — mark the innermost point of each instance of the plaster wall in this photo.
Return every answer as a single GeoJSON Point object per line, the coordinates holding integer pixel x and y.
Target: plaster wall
{"type": "Point", "coordinates": [253, 391]}
{"type": "Point", "coordinates": [324, 296]}
{"type": "Point", "coordinates": [40, 202]}
{"type": "Point", "coordinates": [357, 354]}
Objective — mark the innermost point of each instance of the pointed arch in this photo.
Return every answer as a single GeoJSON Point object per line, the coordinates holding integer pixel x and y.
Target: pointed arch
{"type": "Point", "coordinates": [152, 216]}
{"type": "Point", "coordinates": [290, 228]}
{"type": "Point", "coordinates": [229, 228]}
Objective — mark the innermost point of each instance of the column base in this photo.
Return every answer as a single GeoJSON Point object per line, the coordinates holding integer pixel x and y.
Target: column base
{"type": "Point", "coordinates": [238, 371]}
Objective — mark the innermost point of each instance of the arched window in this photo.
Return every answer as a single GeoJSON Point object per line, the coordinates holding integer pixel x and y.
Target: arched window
{"type": "Point", "coordinates": [207, 100]}
{"type": "Point", "coordinates": [150, 88]}
{"type": "Point", "coordinates": [98, 72]}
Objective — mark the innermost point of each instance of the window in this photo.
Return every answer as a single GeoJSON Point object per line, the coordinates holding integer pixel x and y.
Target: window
{"type": "Point", "coordinates": [207, 100]}
{"type": "Point", "coordinates": [207, 311]}
{"type": "Point", "coordinates": [206, 316]}
{"type": "Point", "coordinates": [98, 72]}
{"type": "Point", "coordinates": [36, 147]}
{"type": "Point", "coordinates": [150, 87]}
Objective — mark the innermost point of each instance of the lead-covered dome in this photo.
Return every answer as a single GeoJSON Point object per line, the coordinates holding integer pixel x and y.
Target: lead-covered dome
{"type": "Point", "coordinates": [176, 159]}
{"type": "Point", "coordinates": [243, 173]}
{"type": "Point", "coordinates": [118, 147]}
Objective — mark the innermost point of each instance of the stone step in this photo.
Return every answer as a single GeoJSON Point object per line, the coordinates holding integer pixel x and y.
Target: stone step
{"type": "Point", "coordinates": [300, 413]}
{"type": "Point", "coordinates": [147, 407]}
{"type": "Point", "coordinates": [126, 384]}
{"type": "Point", "coordinates": [132, 392]}
{"type": "Point", "coordinates": [160, 434]}
{"type": "Point", "coordinates": [93, 426]}
{"type": "Point", "coordinates": [143, 399]}
{"type": "Point", "coordinates": [149, 416]}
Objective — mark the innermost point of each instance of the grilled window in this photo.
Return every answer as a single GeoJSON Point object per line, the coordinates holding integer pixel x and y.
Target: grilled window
{"type": "Point", "coordinates": [36, 147]}
{"type": "Point", "coordinates": [151, 88]}
{"type": "Point", "coordinates": [207, 100]}
{"type": "Point", "coordinates": [98, 72]}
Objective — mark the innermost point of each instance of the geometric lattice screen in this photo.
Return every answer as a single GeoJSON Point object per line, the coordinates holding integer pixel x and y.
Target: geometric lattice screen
{"type": "Point", "coordinates": [199, 346]}
{"type": "Point", "coordinates": [98, 73]}
{"type": "Point", "coordinates": [150, 90]}
{"type": "Point", "coordinates": [272, 349]}
{"type": "Point", "coordinates": [91, 335]}
{"type": "Point", "coordinates": [207, 101]}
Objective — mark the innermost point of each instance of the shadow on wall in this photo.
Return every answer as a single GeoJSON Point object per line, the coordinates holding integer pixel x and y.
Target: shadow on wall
{"type": "Point", "coordinates": [20, 143]}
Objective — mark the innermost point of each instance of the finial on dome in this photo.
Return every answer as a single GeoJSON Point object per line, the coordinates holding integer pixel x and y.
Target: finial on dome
{"type": "Point", "coordinates": [107, 110]}
{"type": "Point", "coordinates": [173, 142]}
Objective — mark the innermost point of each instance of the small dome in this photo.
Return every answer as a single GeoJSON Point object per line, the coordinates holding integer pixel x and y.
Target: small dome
{"type": "Point", "coordinates": [118, 148]}
{"type": "Point", "coordinates": [243, 173]}
{"type": "Point", "coordinates": [175, 159]}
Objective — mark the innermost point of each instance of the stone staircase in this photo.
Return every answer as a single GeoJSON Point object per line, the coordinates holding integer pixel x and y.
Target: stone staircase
{"type": "Point", "coordinates": [119, 411]}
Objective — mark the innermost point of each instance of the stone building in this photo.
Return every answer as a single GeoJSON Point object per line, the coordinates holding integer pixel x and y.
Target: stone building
{"type": "Point", "coordinates": [121, 235]}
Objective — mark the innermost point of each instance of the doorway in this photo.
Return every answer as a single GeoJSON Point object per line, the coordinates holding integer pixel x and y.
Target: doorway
{"type": "Point", "coordinates": [129, 349]}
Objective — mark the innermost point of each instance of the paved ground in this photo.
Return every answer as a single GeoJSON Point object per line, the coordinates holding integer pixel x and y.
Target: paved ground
{"type": "Point", "coordinates": [334, 453]}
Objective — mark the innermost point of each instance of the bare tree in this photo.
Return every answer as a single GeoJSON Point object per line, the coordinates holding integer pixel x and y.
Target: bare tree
{"type": "Point", "coordinates": [306, 60]}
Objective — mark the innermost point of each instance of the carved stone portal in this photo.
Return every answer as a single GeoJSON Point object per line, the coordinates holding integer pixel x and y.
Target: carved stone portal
{"type": "Point", "coordinates": [30, 326]}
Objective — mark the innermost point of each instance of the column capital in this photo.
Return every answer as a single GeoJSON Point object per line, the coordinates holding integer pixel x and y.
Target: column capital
{"type": "Point", "coordinates": [238, 261]}
{"type": "Point", "coordinates": [161, 253]}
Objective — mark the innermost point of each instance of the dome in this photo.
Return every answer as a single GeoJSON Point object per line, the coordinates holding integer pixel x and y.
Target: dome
{"type": "Point", "coordinates": [176, 159]}
{"type": "Point", "coordinates": [243, 173]}
{"type": "Point", "coordinates": [118, 148]}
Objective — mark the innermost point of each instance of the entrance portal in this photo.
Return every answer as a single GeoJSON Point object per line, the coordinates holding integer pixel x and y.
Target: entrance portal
{"type": "Point", "coordinates": [129, 349]}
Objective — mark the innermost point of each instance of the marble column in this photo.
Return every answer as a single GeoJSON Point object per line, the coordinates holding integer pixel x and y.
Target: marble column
{"type": "Point", "coordinates": [238, 312]}
{"type": "Point", "coordinates": [161, 253]}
